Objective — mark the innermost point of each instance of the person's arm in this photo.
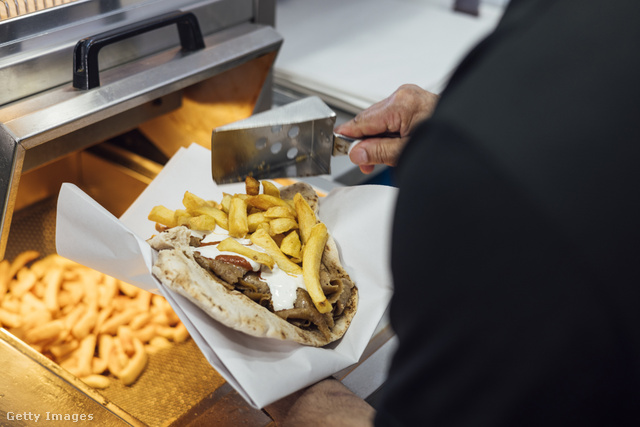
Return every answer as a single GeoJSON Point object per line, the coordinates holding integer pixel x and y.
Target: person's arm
{"type": "Point", "coordinates": [327, 403]}
{"type": "Point", "coordinates": [386, 126]}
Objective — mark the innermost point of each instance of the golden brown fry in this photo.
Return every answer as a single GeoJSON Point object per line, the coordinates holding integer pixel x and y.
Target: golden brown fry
{"type": "Point", "coordinates": [232, 245]}
{"type": "Point", "coordinates": [225, 202]}
{"type": "Point", "coordinates": [202, 223]}
{"type": "Point", "coordinates": [252, 186]}
{"type": "Point", "coordinates": [265, 201]}
{"type": "Point", "coordinates": [311, 259]}
{"type": "Point", "coordinates": [9, 319]}
{"type": "Point", "coordinates": [97, 381]}
{"type": "Point", "coordinates": [282, 225]}
{"type": "Point", "coordinates": [45, 331]}
{"type": "Point", "coordinates": [306, 217]}
{"type": "Point", "coordinates": [279, 212]}
{"type": "Point", "coordinates": [264, 240]}
{"type": "Point", "coordinates": [291, 245]}
{"type": "Point", "coordinates": [162, 215]}
{"type": "Point", "coordinates": [191, 201]}
{"type": "Point", "coordinates": [21, 260]}
{"type": "Point", "coordinates": [255, 219]}
{"type": "Point", "coordinates": [4, 277]}
{"type": "Point", "coordinates": [130, 373]}
{"type": "Point", "coordinates": [85, 324]}
{"type": "Point", "coordinates": [238, 224]}
{"type": "Point", "coordinates": [220, 216]}
{"type": "Point", "coordinates": [53, 280]}
{"type": "Point", "coordinates": [180, 333]}
{"type": "Point", "coordinates": [270, 189]}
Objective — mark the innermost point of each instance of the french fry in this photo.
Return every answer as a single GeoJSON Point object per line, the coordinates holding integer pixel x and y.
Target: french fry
{"type": "Point", "coordinates": [202, 222]}
{"type": "Point", "coordinates": [252, 186]}
{"type": "Point", "coordinates": [4, 277]}
{"type": "Point", "coordinates": [264, 240]}
{"type": "Point", "coordinates": [270, 189]}
{"type": "Point", "coordinates": [282, 225]}
{"type": "Point", "coordinates": [25, 280]}
{"type": "Point", "coordinates": [130, 373]}
{"type": "Point", "coordinates": [279, 212]}
{"type": "Point", "coordinates": [128, 289]}
{"type": "Point", "coordinates": [162, 215]}
{"type": "Point", "coordinates": [21, 260]}
{"type": "Point", "coordinates": [231, 245]}
{"type": "Point", "coordinates": [265, 201]}
{"type": "Point", "coordinates": [292, 246]}
{"type": "Point", "coordinates": [255, 219]}
{"type": "Point", "coordinates": [306, 217]}
{"type": "Point", "coordinates": [53, 280]}
{"type": "Point", "coordinates": [311, 259]}
{"type": "Point", "coordinates": [238, 225]}
{"type": "Point", "coordinates": [221, 218]}
{"type": "Point", "coordinates": [45, 331]}
{"type": "Point", "coordinates": [96, 381]}
{"type": "Point", "coordinates": [191, 201]}
{"type": "Point", "coordinates": [9, 319]}
{"type": "Point", "coordinates": [85, 324]}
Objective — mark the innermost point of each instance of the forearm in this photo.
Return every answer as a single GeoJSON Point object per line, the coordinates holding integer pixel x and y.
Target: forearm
{"type": "Point", "coordinates": [327, 403]}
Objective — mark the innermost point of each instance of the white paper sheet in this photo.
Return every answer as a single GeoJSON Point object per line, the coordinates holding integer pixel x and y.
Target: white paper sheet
{"type": "Point", "coordinates": [262, 370]}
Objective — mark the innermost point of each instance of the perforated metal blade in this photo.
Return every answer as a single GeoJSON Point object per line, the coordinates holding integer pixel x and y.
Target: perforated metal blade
{"type": "Point", "coordinates": [294, 140]}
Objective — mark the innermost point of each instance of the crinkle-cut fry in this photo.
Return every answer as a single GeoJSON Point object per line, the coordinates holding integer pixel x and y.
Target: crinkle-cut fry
{"type": "Point", "coordinates": [311, 260]}
{"type": "Point", "coordinates": [96, 381]}
{"type": "Point", "coordinates": [21, 260]}
{"type": "Point", "coordinates": [130, 373]}
{"type": "Point", "coordinates": [45, 331]}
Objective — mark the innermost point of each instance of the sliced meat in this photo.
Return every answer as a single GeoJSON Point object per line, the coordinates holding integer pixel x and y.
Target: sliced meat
{"type": "Point", "coordinates": [229, 273]}
{"type": "Point", "coordinates": [304, 309]}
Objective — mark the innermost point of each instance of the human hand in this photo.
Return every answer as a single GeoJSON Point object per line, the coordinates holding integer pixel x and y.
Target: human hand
{"type": "Point", "coordinates": [386, 126]}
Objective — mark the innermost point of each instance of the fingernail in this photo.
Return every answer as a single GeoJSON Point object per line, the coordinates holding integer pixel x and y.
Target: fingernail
{"type": "Point", "coordinates": [359, 156]}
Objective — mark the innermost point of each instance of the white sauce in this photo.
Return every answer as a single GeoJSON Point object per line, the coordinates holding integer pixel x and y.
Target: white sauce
{"type": "Point", "coordinates": [281, 284]}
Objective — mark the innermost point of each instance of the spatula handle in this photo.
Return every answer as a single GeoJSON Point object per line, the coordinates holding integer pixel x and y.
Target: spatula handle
{"type": "Point", "coordinates": [342, 144]}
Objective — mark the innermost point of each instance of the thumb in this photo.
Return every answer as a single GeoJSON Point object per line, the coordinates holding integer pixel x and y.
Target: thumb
{"type": "Point", "coordinates": [375, 151]}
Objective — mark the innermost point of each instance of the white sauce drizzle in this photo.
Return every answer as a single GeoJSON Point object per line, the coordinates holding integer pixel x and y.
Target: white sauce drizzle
{"type": "Point", "coordinates": [282, 285]}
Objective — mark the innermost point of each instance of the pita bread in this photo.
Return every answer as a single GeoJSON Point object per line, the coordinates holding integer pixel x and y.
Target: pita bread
{"type": "Point", "coordinates": [177, 268]}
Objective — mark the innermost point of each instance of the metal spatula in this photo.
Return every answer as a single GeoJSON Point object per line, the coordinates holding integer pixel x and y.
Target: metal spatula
{"type": "Point", "coordinates": [294, 140]}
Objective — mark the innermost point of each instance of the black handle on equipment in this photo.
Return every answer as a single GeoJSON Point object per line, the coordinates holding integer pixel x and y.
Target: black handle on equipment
{"type": "Point", "coordinates": [85, 55]}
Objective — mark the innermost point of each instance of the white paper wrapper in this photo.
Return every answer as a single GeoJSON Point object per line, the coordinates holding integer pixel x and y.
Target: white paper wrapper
{"type": "Point", "coordinates": [262, 370]}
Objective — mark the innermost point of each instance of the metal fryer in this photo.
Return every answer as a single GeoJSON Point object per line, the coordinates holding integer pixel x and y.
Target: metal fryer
{"type": "Point", "coordinates": [58, 97]}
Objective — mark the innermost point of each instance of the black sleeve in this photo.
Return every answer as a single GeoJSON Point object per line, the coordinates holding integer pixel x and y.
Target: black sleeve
{"type": "Point", "coordinates": [516, 239]}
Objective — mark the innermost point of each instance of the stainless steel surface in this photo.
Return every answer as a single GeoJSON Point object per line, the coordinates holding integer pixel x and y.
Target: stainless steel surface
{"type": "Point", "coordinates": [45, 40]}
{"type": "Point", "coordinates": [42, 117]}
{"type": "Point", "coordinates": [295, 140]}
{"type": "Point", "coordinates": [34, 389]}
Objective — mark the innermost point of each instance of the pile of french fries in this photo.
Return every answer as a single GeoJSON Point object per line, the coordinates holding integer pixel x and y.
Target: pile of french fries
{"type": "Point", "coordinates": [287, 230]}
{"type": "Point", "coordinates": [87, 322]}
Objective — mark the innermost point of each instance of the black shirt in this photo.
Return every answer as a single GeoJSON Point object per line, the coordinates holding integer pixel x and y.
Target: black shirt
{"type": "Point", "coordinates": [516, 241]}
